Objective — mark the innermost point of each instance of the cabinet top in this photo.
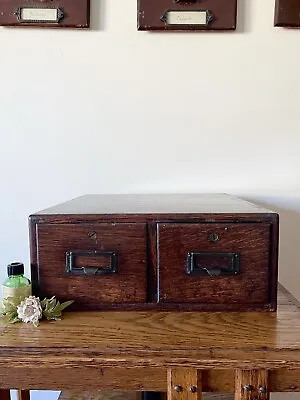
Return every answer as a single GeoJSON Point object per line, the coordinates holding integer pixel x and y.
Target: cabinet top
{"type": "Point", "coordinates": [115, 204]}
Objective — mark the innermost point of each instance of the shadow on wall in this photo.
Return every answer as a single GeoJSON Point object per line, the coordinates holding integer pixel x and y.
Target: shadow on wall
{"type": "Point", "coordinates": [289, 248]}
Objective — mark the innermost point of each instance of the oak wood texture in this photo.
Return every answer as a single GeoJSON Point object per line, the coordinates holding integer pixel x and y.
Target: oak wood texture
{"type": "Point", "coordinates": [184, 384]}
{"type": "Point", "coordinates": [223, 12]}
{"type": "Point", "coordinates": [118, 206]}
{"type": "Point", "coordinates": [152, 236]}
{"type": "Point", "coordinates": [287, 13]}
{"type": "Point", "coordinates": [77, 13]}
{"type": "Point", "coordinates": [91, 349]}
{"type": "Point", "coordinates": [127, 285]}
{"type": "Point", "coordinates": [250, 241]}
{"type": "Point", "coordinates": [251, 385]}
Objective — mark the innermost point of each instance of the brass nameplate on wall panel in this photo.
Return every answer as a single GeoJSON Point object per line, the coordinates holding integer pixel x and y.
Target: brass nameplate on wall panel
{"type": "Point", "coordinates": [287, 13]}
{"type": "Point", "coordinates": [172, 15]}
{"type": "Point", "coordinates": [45, 13]}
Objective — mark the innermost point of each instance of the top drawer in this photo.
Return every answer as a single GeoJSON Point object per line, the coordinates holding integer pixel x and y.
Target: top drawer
{"type": "Point", "coordinates": [92, 263]}
{"type": "Point", "coordinates": [211, 263]}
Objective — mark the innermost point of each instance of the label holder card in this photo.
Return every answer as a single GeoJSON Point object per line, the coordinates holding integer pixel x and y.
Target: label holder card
{"type": "Point", "coordinates": [45, 13]}
{"type": "Point", "coordinates": [187, 15]}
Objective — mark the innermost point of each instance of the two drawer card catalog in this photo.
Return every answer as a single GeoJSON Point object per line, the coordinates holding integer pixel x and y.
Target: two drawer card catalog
{"type": "Point", "coordinates": [192, 15]}
{"type": "Point", "coordinates": [156, 252]}
{"type": "Point", "coordinates": [45, 13]}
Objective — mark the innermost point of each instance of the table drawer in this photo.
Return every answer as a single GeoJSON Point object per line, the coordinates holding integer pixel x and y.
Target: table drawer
{"type": "Point", "coordinates": [213, 263]}
{"type": "Point", "coordinates": [93, 264]}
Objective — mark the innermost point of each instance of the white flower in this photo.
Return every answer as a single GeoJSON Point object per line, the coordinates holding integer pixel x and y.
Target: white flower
{"type": "Point", "coordinates": [30, 310]}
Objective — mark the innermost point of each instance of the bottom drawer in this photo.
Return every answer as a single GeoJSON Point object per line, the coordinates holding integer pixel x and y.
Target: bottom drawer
{"type": "Point", "coordinates": [214, 263]}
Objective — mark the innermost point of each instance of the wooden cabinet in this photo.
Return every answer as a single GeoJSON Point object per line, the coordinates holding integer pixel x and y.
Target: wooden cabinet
{"type": "Point", "coordinates": [161, 252]}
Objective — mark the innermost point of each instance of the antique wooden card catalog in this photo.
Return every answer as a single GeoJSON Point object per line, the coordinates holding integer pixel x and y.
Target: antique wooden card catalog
{"type": "Point", "coordinates": [192, 15]}
{"type": "Point", "coordinates": [287, 13]}
{"type": "Point", "coordinates": [45, 13]}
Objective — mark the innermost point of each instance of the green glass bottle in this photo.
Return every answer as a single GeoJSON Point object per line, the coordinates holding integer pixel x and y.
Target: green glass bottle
{"type": "Point", "coordinates": [16, 285]}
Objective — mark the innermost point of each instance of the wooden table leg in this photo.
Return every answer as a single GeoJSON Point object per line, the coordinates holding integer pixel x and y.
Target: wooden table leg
{"type": "Point", "coordinates": [4, 394]}
{"type": "Point", "coordinates": [23, 395]}
{"type": "Point", "coordinates": [184, 384]}
{"type": "Point", "coordinates": [251, 385]}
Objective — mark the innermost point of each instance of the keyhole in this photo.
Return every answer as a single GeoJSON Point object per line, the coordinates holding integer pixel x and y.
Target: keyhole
{"type": "Point", "coordinates": [92, 235]}
{"type": "Point", "coordinates": [214, 237]}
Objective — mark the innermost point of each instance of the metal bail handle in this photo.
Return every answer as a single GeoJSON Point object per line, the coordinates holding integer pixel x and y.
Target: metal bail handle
{"type": "Point", "coordinates": [110, 268]}
{"type": "Point", "coordinates": [213, 264]}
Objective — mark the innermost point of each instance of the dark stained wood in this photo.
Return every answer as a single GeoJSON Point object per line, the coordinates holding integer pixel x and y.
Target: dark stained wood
{"type": "Point", "coordinates": [4, 395]}
{"type": "Point", "coordinates": [77, 13]}
{"type": "Point", "coordinates": [128, 285]}
{"type": "Point", "coordinates": [184, 384]}
{"type": "Point", "coordinates": [152, 280]}
{"type": "Point", "coordinates": [224, 14]}
{"type": "Point", "coordinates": [65, 227]}
{"type": "Point", "coordinates": [111, 395]}
{"type": "Point", "coordinates": [287, 13]}
{"type": "Point", "coordinates": [251, 385]}
{"type": "Point", "coordinates": [250, 241]}
{"type": "Point", "coordinates": [23, 395]}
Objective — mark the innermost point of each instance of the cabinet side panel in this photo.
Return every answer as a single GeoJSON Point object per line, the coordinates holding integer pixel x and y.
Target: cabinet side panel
{"type": "Point", "coordinates": [33, 255]}
{"type": "Point", "coordinates": [274, 244]}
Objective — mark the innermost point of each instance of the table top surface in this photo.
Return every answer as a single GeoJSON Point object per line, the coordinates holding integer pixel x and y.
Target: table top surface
{"type": "Point", "coordinates": [119, 204]}
{"type": "Point", "coordinates": [203, 339]}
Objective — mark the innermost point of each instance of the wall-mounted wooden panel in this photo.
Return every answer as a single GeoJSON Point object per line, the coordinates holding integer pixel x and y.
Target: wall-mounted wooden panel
{"type": "Point", "coordinates": [45, 13]}
{"type": "Point", "coordinates": [183, 15]}
{"type": "Point", "coordinates": [287, 13]}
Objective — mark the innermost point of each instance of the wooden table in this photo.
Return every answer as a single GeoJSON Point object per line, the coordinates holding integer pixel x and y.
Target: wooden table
{"type": "Point", "coordinates": [184, 354]}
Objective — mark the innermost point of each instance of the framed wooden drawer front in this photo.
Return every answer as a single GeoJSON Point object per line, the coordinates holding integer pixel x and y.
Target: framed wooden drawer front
{"type": "Point", "coordinates": [93, 263]}
{"type": "Point", "coordinates": [235, 257]}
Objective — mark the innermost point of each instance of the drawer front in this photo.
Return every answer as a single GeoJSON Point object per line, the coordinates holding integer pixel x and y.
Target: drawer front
{"type": "Point", "coordinates": [92, 263]}
{"type": "Point", "coordinates": [213, 263]}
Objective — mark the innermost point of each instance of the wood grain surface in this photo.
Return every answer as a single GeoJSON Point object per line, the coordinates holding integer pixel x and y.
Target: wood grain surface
{"type": "Point", "coordinates": [152, 235]}
{"type": "Point", "coordinates": [287, 13]}
{"type": "Point", "coordinates": [223, 11]}
{"type": "Point", "coordinates": [184, 384]}
{"type": "Point", "coordinates": [77, 13]}
{"type": "Point", "coordinates": [100, 396]}
{"type": "Point", "coordinates": [127, 285]}
{"type": "Point", "coordinates": [249, 286]}
{"type": "Point", "coordinates": [159, 204]}
{"type": "Point", "coordinates": [97, 346]}
{"type": "Point", "coordinates": [251, 385]}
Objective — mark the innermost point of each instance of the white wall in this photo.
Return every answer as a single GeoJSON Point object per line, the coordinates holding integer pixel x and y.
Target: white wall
{"type": "Point", "coordinates": [116, 110]}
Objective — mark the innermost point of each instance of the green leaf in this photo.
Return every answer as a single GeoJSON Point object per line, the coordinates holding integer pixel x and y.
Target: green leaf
{"type": "Point", "coordinates": [10, 305]}
{"type": "Point", "coordinates": [66, 304]}
{"type": "Point", "coordinates": [14, 319]}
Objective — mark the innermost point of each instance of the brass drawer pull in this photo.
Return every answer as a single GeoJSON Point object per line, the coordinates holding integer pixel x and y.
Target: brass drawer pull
{"type": "Point", "coordinates": [101, 262]}
{"type": "Point", "coordinates": [213, 264]}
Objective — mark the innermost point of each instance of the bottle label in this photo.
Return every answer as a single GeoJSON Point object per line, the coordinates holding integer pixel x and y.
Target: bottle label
{"type": "Point", "coordinates": [23, 291]}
